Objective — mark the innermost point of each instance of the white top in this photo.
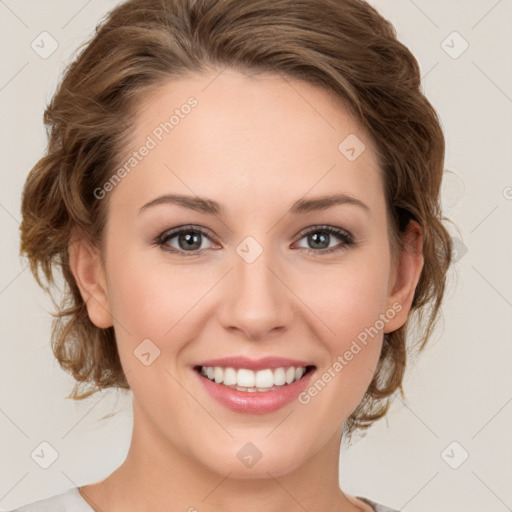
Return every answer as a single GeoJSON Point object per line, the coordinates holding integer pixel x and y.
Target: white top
{"type": "Point", "coordinates": [69, 501]}
{"type": "Point", "coordinates": [72, 501]}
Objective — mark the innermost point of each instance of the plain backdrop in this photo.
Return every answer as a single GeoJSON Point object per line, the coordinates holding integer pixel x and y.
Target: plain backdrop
{"type": "Point", "coordinates": [448, 446]}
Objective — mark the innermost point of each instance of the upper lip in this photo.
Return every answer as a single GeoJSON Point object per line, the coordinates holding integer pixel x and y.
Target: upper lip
{"type": "Point", "coordinates": [255, 364]}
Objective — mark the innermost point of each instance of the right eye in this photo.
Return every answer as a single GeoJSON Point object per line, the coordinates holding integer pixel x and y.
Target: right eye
{"type": "Point", "coordinates": [188, 240]}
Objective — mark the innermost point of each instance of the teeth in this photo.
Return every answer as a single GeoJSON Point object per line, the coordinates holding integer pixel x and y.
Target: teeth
{"type": "Point", "coordinates": [218, 375]}
{"type": "Point", "coordinates": [264, 379]}
{"type": "Point", "coordinates": [290, 375]}
{"type": "Point", "coordinates": [279, 376]}
{"type": "Point", "coordinates": [230, 377]}
{"type": "Point", "coordinates": [250, 381]}
{"type": "Point", "coordinates": [244, 377]}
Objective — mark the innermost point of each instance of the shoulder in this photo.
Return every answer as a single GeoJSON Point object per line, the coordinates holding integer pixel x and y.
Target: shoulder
{"type": "Point", "coordinates": [68, 501]}
{"type": "Point", "coordinates": [378, 507]}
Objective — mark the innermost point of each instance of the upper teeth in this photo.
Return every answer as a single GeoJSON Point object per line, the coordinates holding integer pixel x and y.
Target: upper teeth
{"type": "Point", "coordinates": [245, 378]}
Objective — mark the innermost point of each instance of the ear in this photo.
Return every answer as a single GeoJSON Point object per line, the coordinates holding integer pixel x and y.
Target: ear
{"type": "Point", "coordinates": [87, 269]}
{"type": "Point", "coordinates": [405, 276]}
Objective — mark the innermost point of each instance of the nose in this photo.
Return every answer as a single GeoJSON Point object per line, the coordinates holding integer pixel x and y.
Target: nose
{"type": "Point", "coordinates": [256, 299]}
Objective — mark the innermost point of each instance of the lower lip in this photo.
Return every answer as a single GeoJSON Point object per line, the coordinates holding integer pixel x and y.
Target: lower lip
{"type": "Point", "coordinates": [257, 402]}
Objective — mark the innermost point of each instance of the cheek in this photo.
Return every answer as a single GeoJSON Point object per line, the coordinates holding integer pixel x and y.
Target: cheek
{"type": "Point", "coordinates": [350, 298]}
{"type": "Point", "coordinates": [150, 302]}
{"type": "Point", "coordinates": [155, 300]}
{"type": "Point", "coordinates": [350, 302]}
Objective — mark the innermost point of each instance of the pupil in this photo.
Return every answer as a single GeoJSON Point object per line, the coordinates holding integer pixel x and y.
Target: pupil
{"type": "Point", "coordinates": [191, 240]}
{"type": "Point", "coordinates": [321, 239]}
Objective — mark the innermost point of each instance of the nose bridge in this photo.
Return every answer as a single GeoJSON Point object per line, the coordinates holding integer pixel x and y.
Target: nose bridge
{"type": "Point", "coordinates": [254, 280]}
{"type": "Point", "coordinates": [257, 301]}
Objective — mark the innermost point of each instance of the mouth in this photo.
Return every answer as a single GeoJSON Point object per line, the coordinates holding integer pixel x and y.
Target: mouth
{"type": "Point", "coordinates": [251, 381]}
{"type": "Point", "coordinates": [260, 386]}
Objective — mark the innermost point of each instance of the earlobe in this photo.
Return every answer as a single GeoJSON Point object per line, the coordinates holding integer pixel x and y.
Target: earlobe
{"type": "Point", "coordinates": [87, 269]}
{"type": "Point", "coordinates": [406, 276]}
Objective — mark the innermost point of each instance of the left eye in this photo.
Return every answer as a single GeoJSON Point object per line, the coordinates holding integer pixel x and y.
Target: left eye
{"type": "Point", "coordinates": [319, 235]}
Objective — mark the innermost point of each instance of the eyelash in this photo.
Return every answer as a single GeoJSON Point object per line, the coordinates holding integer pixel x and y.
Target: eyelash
{"type": "Point", "coordinates": [345, 236]}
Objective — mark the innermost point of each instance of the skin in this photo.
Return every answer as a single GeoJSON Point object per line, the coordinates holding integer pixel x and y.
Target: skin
{"type": "Point", "coordinates": [254, 144]}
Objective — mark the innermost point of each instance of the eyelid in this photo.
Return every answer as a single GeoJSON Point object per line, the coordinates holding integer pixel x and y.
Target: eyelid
{"type": "Point", "coordinates": [184, 227]}
{"type": "Point", "coordinates": [325, 227]}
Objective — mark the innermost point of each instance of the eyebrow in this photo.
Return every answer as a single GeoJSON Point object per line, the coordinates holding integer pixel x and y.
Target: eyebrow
{"type": "Point", "coordinates": [211, 207]}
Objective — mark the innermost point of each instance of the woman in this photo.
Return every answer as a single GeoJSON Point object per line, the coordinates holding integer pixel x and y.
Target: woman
{"type": "Point", "coordinates": [243, 198]}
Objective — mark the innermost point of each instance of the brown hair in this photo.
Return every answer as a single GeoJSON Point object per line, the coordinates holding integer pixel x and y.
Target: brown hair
{"type": "Point", "coordinates": [343, 46]}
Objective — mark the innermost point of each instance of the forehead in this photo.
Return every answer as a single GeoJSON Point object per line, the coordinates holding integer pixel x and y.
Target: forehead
{"type": "Point", "coordinates": [260, 136]}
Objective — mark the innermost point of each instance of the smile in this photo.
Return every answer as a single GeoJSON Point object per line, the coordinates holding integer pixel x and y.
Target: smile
{"type": "Point", "coordinates": [247, 380]}
{"type": "Point", "coordinates": [254, 386]}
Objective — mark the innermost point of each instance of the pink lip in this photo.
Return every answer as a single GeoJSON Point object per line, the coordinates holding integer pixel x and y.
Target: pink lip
{"type": "Point", "coordinates": [254, 364]}
{"type": "Point", "coordinates": [257, 402]}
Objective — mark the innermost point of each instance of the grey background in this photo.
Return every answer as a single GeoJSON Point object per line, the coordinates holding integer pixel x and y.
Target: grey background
{"type": "Point", "coordinates": [459, 389]}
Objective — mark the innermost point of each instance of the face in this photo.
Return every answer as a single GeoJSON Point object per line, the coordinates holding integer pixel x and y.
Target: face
{"type": "Point", "coordinates": [266, 274]}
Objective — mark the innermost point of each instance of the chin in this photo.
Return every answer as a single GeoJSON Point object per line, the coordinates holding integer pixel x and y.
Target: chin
{"type": "Point", "coordinates": [247, 460]}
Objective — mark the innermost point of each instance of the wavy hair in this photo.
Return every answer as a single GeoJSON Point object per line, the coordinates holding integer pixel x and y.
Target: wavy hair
{"type": "Point", "coordinates": [343, 46]}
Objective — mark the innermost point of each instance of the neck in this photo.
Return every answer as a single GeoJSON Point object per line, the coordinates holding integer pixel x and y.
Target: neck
{"type": "Point", "coordinates": [157, 476]}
